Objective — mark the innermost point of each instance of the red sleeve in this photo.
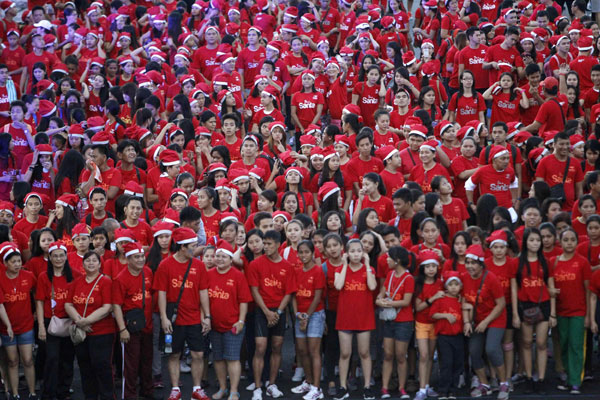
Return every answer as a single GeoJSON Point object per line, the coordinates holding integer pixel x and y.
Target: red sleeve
{"type": "Point", "coordinates": [161, 278]}
{"type": "Point", "coordinates": [252, 275]}
{"type": "Point", "coordinates": [106, 291]}
{"type": "Point", "coordinates": [117, 292]}
{"type": "Point", "coordinates": [496, 288]}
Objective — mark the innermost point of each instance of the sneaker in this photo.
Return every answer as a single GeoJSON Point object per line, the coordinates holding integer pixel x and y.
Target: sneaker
{"type": "Point", "coordinates": [517, 378]}
{"type": "Point", "coordinates": [199, 394]}
{"type": "Point", "coordinates": [251, 387]}
{"type": "Point", "coordinates": [274, 392]}
{"type": "Point", "coordinates": [431, 392]}
{"type": "Point", "coordinates": [157, 382]}
{"type": "Point", "coordinates": [175, 394]}
{"type": "Point", "coordinates": [184, 368]}
{"type": "Point", "coordinates": [15, 397]}
{"type": "Point", "coordinates": [342, 393]}
{"type": "Point", "coordinates": [540, 387]}
{"type": "Point", "coordinates": [404, 395]}
{"type": "Point", "coordinates": [461, 381]}
{"type": "Point", "coordinates": [504, 391]}
{"type": "Point", "coordinates": [303, 388]}
{"type": "Point", "coordinates": [451, 396]}
{"type": "Point", "coordinates": [331, 391]}
{"type": "Point", "coordinates": [385, 394]}
{"type": "Point", "coordinates": [368, 393]}
{"type": "Point", "coordinates": [421, 395]}
{"type": "Point", "coordinates": [442, 397]}
{"type": "Point", "coordinates": [529, 386]}
{"type": "Point", "coordinates": [298, 375]}
{"type": "Point", "coordinates": [314, 394]}
{"type": "Point", "coordinates": [474, 382]}
{"type": "Point", "coordinates": [494, 385]}
{"type": "Point", "coordinates": [481, 390]}
{"type": "Point", "coordinates": [588, 376]}
{"type": "Point", "coordinates": [575, 390]}
{"type": "Point", "coordinates": [257, 394]}
{"type": "Point", "coordinates": [562, 384]}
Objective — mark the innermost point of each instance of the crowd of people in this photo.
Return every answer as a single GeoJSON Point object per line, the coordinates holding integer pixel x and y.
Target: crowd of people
{"type": "Point", "coordinates": [192, 179]}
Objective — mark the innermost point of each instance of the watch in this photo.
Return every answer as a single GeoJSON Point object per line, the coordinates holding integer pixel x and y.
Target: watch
{"type": "Point", "coordinates": [279, 311]}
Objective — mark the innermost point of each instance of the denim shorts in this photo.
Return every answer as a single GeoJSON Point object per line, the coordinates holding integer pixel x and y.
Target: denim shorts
{"type": "Point", "coordinates": [315, 328]}
{"type": "Point", "coordinates": [24, 338]}
{"type": "Point", "coordinates": [401, 331]}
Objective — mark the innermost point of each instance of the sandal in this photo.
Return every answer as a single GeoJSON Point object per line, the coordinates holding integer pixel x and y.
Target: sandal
{"type": "Point", "coordinates": [220, 394]}
{"type": "Point", "coordinates": [234, 396]}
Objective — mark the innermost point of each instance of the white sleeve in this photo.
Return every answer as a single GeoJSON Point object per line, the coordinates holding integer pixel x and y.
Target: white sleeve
{"type": "Point", "coordinates": [515, 184]}
{"type": "Point", "coordinates": [469, 185]}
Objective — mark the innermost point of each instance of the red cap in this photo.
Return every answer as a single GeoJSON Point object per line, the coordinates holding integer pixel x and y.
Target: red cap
{"type": "Point", "coordinates": [184, 236]}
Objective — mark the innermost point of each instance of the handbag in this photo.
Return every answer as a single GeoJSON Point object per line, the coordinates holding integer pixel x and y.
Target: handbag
{"type": "Point", "coordinates": [390, 313]}
{"type": "Point", "coordinates": [533, 315]}
{"type": "Point", "coordinates": [173, 308]}
{"type": "Point", "coordinates": [558, 191]}
{"type": "Point", "coordinates": [135, 320]}
{"type": "Point", "coordinates": [58, 326]}
{"type": "Point", "coordinates": [77, 334]}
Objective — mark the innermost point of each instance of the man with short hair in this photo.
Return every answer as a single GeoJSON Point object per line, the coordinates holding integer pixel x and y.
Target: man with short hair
{"type": "Point", "coordinates": [499, 134]}
{"type": "Point", "coordinates": [271, 281]}
{"type": "Point", "coordinates": [505, 57]}
{"type": "Point", "coordinates": [551, 170]}
{"type": "Point", "coordinates": [472, 58]}
{"type": "Point", "coordinates": [552, 114]}
{"type": "Point", "coordinates": [111, 177]}
{"type": "Point", "coordinates": [192, 319]}
{"type": "Point", "coordinates": [357, 167]}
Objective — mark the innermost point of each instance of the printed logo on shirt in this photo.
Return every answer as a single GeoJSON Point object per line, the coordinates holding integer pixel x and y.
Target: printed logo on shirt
{"type": "Point", "coordinates": [355, 287]}
{"type": "Point", "coordinates": [302, 292]}
{"type": "Point", "coordinates": [476, 60]}
{"type": "Point", "coordinates": [176, 283]}
{"type": "Point", "coordinates": [218, 293]}
{"type": "Point", "coordinates": [306, 104]}
{"type": "Point", "coordinates": [498, 187]}
{"type": "Point", "coordinates": [507, 105]}
{"type": "Point", "coordinates": [532, 283]}
{"type": "Point", "coordinates": [370, 100]}
{"type": "Point", "coordinates": [269, 282]}
{"type": "Point", "coordinates": [564, 276]}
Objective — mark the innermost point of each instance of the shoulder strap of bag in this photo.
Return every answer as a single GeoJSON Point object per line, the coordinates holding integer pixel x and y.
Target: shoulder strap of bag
{"type": "Point", "coordinates": [562, 113]}
{"type": "Point", "coordinates": [478, 293]}
{"type": "Point", "coordinates": [566, 170]}
{"type": "Point", "coordinates": [176, 309]}
{"type": "Point", "coordinates": [143, 290]}
{"type": "Point", "coordinates": [89, 295]}
{"type": "Point", "coordinates": [52, 298]}
{"type": "Point", "coordinates": [399, 285]}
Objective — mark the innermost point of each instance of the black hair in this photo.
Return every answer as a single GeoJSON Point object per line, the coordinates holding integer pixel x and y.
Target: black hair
{"type": "Point", "coordinates": [523, 260]}
{"type": "Point", "coordinates": [415, 225]}
{"type": "Point", "coordinates": [189, 214]}
{"type": "Point", "coordinates": [431, 200]}
{"type": "Point", "coordinates": [36, 250]}
{"type": "Point", "coordinates": [273, 235]}
{"type": "Point", "coordinates": [67, 271]}
{"type": "Point", "coordinates": [486, 203]}
{"type": "Point", "coordinates": [247, 252]}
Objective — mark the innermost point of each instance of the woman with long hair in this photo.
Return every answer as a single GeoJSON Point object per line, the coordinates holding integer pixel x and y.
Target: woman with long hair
{"type": "Point", "coordinates": [64, 217]}
{"type": "Point", "coordinates": [67, 177]}
{"type": "Point", "coordinates": [9, 171]}
{"type": "Point", "coordinates": [507, 99]}
{"type": "Point", "coordinates": [466, 104]}
{"type": "Point", "coordinates": [41, 173]}
{"type": "Point", "coordinates": [370, 92]}
{"type": "Point", "coordinates": [97, 97]}
{"type": "Point", "coordinates": [50, 295]}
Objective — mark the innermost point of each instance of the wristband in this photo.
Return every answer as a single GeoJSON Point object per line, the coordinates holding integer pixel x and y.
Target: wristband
{"type": "Point", "coordinates": [428, 302]}
{"type": "Point", "coordinates": [468, 322]}
{"type": "Point", "coordinates": [122, 330]}
{"type": "Point", "coordinates": [241, 322]}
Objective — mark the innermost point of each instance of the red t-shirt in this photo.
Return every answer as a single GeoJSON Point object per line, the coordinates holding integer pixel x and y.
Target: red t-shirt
{"type": "Point", "coordinates": [569, 277]}
{"type": "Point", "coordinates": [550, 114]}
{"type": "Point", "coordinates": [455, 214]}
{"type": "Point", "coordinates": [37, 265]}
{"type": "Point", "coordinates": [308, 282]}
{"type": "Point", "coordinates": [43, 292]}
{"type": "Point", "coordinates": [169, 277]}
{"type": "Point", "coordinates": [205, 59]}
{"type": "Point", "coordinates": [405, 314]}
{"type": "Point", "coordinates": [332, 294]}
{"type": "Point", "coordinates": [386, 139]}
{"type": "Point", "coordinates": [110, 178]}
{"type": "Point", "coordinates": [357, 168]}
{"type": "Point", "coordinates": [496, 183]}
{"type": "Point", "coordinates": [532, 284]}
{"type": "Point", "coordinates": [551, 170]}
{"type": "Point", "coordinates": [16, 297]}
{"type": "Point", "coordinates": [595, 283]}
{"type": "Point", "coordinates": [491, 290]}
{"type": "Point", "coordinates": [211, 224]}
{"type": "Point", "coordinates": [467, 108]}
{"type": "Point", "coordinates": [504, 273]}
{"type": "Point", "coordinates": [447, 305]}
{"type": "Point", "coordinates": [368, 101]}
{"type": "Point", "coordinates": [306, 106]}
{"type": "Point", "coordinates": [504, 109]}
{"type": "Point", "coordinates": [498, 54]}
{"type": "Point", "coordinates": [127, 292]}
{"type": "Point", "coordinates": [424, 178]}
{"type": "Point", "coordinates": [392, 181]}
{"type": "Point", "coordinates": [356, 310]}
{"type": "Point", "coordinates": [142, 232]}
{"type": "Point", "coordinates": [79, 291]}
{"type": "Point", "coordinates": [274, 280]}
{"type": "Point", "coordinates": [384, 207]}
{"type": "Point", "coordinates": [226, 292]}
{"type": "Point", "coordinates": [250, 61]}
{"type": "Point", "coordinates": [27, 227]}
{"type": "Point", "coordinates": [410, 159]}
{"type": "Point", "coordinates": [429, 290]}
{"type": "Point", "coordinates": [473, 60]}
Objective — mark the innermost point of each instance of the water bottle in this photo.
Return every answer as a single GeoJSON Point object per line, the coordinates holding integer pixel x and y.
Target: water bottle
{"type": "Point", "coordinates": [168, 343]}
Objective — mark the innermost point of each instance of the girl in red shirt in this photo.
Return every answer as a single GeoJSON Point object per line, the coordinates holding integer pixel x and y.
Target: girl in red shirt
{"type": "Point", "coordinates": [467, 104]}
{"type": "Point", "coordinates": [369, 94]}
{"type": "Point", "coordinates": [51, 292]}
{"type": "Point", "coordinates": [428, 289]}
{"type": "Point", "coordinates": [464, 166]}
{"type": "Point", "coordinates": [427, 101]}
{"type": "Point", "coordinates": [506, 99]}
{"type": "Point", "coordinates": [587, 208]}
{"type": "Point", "coordinates": [356, 281]}
{"type": "Point", "coordinates": [397, 291]}
{"type": "Point", "coordinates": [308, 306]}
{"type": "Point", "coordinates": [531, 288]}
{"type": "Point", "coordinates": [549, 243]}
{"type": "Point", "coordinates": [16, 330]}
{"type": "Point", "coordinates": [307, 105]}
{"type": "Point", "coordinates": [571, 274]}
{"type": "Point", "coordinates": [333, 247]}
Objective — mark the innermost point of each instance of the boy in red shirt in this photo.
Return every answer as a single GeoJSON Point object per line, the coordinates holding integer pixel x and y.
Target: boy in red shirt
{"type": "Point", "coordinates": [357, 167]}
{"type": "Point", "coordinates": [447, 313]}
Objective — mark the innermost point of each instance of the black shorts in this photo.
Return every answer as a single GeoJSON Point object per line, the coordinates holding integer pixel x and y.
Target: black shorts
{"type": "Point", "coordinates": [261, 326]}
{"type": "Point", "coordinates": [544, 306]}
{"type": "Point", "coordinates": [190, 334]}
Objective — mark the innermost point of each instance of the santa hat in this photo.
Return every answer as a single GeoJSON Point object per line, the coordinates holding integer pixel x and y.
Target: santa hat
{"type": "Point", "coordinates": [184, 236]}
